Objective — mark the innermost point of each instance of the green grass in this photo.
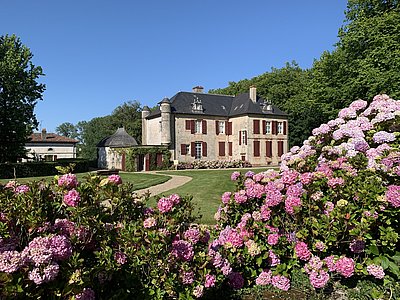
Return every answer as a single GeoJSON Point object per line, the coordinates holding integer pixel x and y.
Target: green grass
{"type": "Point", "coordinates": [206, 187]}
{"type": "Point", "coordinates": [139, 180]}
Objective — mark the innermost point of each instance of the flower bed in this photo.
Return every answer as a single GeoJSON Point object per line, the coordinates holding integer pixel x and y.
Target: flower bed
{"type": "Point", "coordinates": [332, 211]}
{"type": "Point", "coordinates": [213, 164]}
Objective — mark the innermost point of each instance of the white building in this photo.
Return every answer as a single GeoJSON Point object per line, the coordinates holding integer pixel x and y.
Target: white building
{"type": "Point", "coordinates": [50, 146]}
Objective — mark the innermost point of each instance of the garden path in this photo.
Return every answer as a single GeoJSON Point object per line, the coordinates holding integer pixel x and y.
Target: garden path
{"type": "Point", "coordinates": [175, 181]}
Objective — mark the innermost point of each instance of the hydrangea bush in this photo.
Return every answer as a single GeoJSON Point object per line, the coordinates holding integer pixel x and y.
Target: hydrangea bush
{"type": "Point", "coordinates": [96, 239]}
{"type": "Point", "coordinates": [332, 209]}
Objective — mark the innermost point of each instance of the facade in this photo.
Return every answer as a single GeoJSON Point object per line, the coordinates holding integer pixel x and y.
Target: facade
{"type": "Point", "coordinates": [199, 126]}
{"type": "Point", "coordinates": [108, 155]}
{"type": "Point", "coordinates": [50, 146]}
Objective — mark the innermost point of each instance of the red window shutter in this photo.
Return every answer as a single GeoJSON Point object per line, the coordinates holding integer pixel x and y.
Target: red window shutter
{"type": "Point", "coordinates": [192, 127]}
{"type": "Point", "coordinates": [183, 149]}
{"type": "Point", "coordinates": [245, 137]}
{"type": "Point", "coordinates": [264, 126]}
{"type": "Point", "coordinates": [256, 145]}
{"type": "Point", "coordinates": [221, 148]}
{"type": "Point", "coordinates": [256, 126]}
{"type": "Point", "coordinates": [192, 149]}
{"type": "Point", "coordinates": [284, 127]}
{"type": "Point", "coordinates": [228, 126]}
{"type": "Point", "coordinates": [240, 137]}
{"type": "Point", "coordinates": [230, 148]}
{"type": "Point", "coordinates": [216, 127]}
{"type": "Point", "coordinates": [274, 127]}
{"type": "Point", "coordinates": [187, 125]}
{"type": "Point", "coordinates": [280, 148]}
{"type": "Point", "coordinates": [204, 126]}
{"type": "Point", "coordinates": [268, 146]}
{"type": "Point", "coordinates": [159, 159]}
{"type": "Point", "coordinates": [204, 149]}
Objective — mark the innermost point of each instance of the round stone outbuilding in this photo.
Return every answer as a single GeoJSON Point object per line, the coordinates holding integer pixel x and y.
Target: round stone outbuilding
{"type": "Point", "coordinates": [107, 150]}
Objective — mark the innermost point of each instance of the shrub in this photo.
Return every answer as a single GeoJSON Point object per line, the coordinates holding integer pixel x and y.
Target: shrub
{"type": "Point", "coordinates": [213, 164]}
{"type": "Point", "coordinates": [97, 239]}
{"type": "Point", "coordinates": [332, 210]}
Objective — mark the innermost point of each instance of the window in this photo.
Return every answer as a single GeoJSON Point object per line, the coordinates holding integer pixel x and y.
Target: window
{"type": "Point", "coordinates": [221, 127]}
{"type": "Point", "coordinates": [256, 148]}
{"type": "Point", "coordinates": [267, 128]}
{"type": "Point", "coordinates": [187, 149]}
{"type": "Point", "coordinates": [197, 154]}
{"type": "Point", "coordinates": [197, 128]}
{"type": "Point", "coordinates": [280, 148]}
{"type": "Point", "coordinates": [280, 127]}
{"type": "Point", "coordinates": [244, 137]}
{"type": "Point", "coordinates": [221, 148]}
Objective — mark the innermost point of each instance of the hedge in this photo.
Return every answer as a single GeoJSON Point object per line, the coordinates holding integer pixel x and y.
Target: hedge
{"type": "Point", "coordinates": [34, 169]}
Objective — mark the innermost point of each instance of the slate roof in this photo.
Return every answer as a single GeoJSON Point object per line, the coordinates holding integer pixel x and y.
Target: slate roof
{"type": "Point", "coordinates": [50, 138]}
{"type": "Point", "coordinates": [217, 105]}
{"type": "Point", "coordinates": [119, 139]}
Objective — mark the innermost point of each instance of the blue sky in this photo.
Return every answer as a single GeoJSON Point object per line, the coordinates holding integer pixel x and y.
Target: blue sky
{"type": "Point", "coordinates": [98, 54]}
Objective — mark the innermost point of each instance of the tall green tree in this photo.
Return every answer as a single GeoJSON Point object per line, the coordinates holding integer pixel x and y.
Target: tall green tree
{"type": "Point", "coordinates": [89, 133]}
{"type": "Point", "coordinates": [67, 129]}
{"type": "Point", "coordinates": [19, 93]}
{"type": "Point", "coordinates": [287, 89]}
{"type": "Point", "coordinates": [366, 60]}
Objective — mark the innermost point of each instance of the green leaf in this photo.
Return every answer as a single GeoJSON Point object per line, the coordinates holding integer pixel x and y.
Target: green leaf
{"type": "Point", "coordinates": [374, 249]}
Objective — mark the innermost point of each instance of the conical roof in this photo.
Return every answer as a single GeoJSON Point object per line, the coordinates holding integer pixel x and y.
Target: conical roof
{"type": "Point", "coordinates": [120, 139]}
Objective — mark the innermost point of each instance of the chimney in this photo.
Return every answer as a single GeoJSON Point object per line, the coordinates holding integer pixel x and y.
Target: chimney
{"type": "Point", "coordinates": [198, 89]}
{"type": "Point", "coordinates": [253, 93]}
{"type": "Point", "coordinates": [44, 134]}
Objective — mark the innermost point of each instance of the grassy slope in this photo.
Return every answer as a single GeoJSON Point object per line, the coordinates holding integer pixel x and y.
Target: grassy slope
{"type": "Point", "coordinates": [139, 180]}
{"type": "Point", "coordinates": [206, 187]}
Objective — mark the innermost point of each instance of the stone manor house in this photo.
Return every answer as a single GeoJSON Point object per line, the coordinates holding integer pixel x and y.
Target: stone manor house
{"type": "Point", "coordinates": [200, 126]}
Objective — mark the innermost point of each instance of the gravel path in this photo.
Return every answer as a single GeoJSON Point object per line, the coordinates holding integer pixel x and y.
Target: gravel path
{"type": "Point", "coordinates": [175, 181]}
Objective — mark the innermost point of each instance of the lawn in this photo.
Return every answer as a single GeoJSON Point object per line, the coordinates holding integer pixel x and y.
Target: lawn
{"type": "Point", "coordinates": [139, 180]}
{"type": "Point", "coordinates": [206, 187]}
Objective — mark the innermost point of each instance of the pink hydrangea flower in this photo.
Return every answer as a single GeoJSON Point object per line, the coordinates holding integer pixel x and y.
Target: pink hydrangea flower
{"type": "Point", "coordinates": [330, 263]}
{"type": "Point", "coordinates": [72, 198]}
{"type": "Point", "coordinates": [273, 239]}
{"type": "Point", "coordinates": [264, 278]}
{"type": "Point", "coordinates": [302, 251]}
{"type": "Point", "coordinates": [21, 189]}
{"type": "Point", "coordinates": [86, 294]}
{"type": "Point", "coordinates": [281, 282]}
{"type": "Point", "coordinates": [226, 197]}
{"type": "Point", "coordinates": [192, 235]}
{"type": "Point", "coordinates": [376, 271]}
{"type": "Point", "coordinates": [320, 246]}
{"type": "Point", "coordinates": [165, 205]}
{"type": "Point", "coordinates": [68, 180]}
{"type": "Point", "coordinates": [182, 250]}
{"type": "Point", "coordinates": [209, 281]}
{"type": "Point", "coordinates": [240, 197]}
{"type": "Point", "coordinates": [273, 259]}
{"type": "Point", "coordinates": [392, 195]}
{"type": "Point", "coordinates": [345, 266]}
{"type": "Point", "coordinates": [115, 179]}
{"type": "Point", "coordinates": [187, 277]}
{"type": "Point", "coordinates": [319, 279]}
{"type": "Point", "coordinates": [198, 291]}
{"type": "Point", "coordinates": [235, 176]}
{"type": "Point", "coordinates": [149, 222]}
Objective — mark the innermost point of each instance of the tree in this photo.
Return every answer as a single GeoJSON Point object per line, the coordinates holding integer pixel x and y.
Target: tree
{"type": "Point", "coordinates": [89, 133]}
{"type": "Point", "coordinates": [366, 60]}
{"type": "Point", "coordinates": [67, 129]}
{"type": "Point", "coordinates": [287, 89]}
{"type": "Point", "coordinates": [19, 93]}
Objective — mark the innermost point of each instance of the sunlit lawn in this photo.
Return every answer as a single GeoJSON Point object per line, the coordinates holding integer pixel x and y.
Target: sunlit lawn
{"type": "Point", "coordinates": [206, 187]}
{"type": "Point", "coordinates": [139, 180]}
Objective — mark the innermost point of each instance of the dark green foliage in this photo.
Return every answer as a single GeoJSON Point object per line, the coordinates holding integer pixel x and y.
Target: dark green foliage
{"type": "Point", "coordinates": [287, 89]}
{"type": "Point", "coordinates": [33, 169]}
{"type": "Point", "coordinates": [19, 93]}
{"type": "Point", "coordinates": [89, 133]}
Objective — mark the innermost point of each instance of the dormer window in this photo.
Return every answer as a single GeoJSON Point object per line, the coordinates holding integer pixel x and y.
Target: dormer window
{"type": "Point", "coordinates": [197, 106]}
{"type": "Point", "coordinates": [267, 106]}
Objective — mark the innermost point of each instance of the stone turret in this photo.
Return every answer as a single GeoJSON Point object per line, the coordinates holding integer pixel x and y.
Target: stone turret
{"type": "Point", "coordinates": [145, 113]}
{"type": "Point", "coordinates": [165, 107]}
